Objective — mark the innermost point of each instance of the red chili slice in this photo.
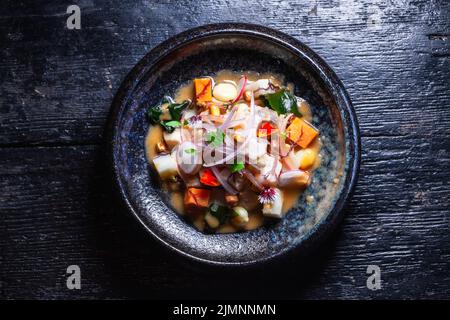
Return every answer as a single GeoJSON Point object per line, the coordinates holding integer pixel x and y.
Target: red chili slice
{"type": "Point", "coordinates": [266, 129]}
{"type": "Point", "coordinates": [208, 178]}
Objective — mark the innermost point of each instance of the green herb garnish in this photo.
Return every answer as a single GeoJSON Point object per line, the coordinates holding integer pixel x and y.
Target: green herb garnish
{"type": "Point", "coordinates": [190, 150]}
{"type": "Point", "coordinates": [219, 211]}
{"type": "Point", "coordinates": [154, 113]}
{"type": "Point", "coordinates": [236, 167]}
{"type": "Point", "coordinates": [166, 105]}
{"type": "Point", "coordinates": [282, 102]}
{"type": "Point", "coordinates": [173, 123]}
{"type": "Point", "coordinates": [215, 138]}
{"type": "Point", "coordinates": [175, 109]}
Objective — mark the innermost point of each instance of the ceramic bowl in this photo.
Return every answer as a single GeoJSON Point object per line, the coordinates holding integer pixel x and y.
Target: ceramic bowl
{"type": "Point", "coordinates": [239, 47]}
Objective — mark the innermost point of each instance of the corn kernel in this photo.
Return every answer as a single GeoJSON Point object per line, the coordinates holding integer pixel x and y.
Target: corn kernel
{"type": "Point", "coordinates": [308, 159]}
{"type": "Point", "coordinates": [214, 110]}
{"type": "Point", "coordinates": [247, 96]}
{"type": "Point", "coordinates": [238, 138]}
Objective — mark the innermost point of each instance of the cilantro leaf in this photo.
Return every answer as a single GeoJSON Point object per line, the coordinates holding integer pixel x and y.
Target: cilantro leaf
{"type": "Point", "coordinates": [190, 150]}
{"type": "Point", "coordinates": [169, 129]}
{"type": "Point", "coordinates": [236, 167]}
{"type": "Point", "coordinates": [173, 123]}
{"type": "Point", "coordinates": [215, 138]}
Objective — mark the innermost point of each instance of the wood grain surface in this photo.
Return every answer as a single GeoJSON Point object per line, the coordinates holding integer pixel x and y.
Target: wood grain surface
{"type": "Point", "coordinates": [56, 87]}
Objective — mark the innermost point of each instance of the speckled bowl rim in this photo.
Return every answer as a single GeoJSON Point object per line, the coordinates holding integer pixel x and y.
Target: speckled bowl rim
{"type": "Point", "coordinates": [321, 230]}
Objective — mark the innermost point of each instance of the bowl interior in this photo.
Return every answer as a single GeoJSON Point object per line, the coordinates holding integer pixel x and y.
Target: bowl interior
{"type": "Point", "coordinates": [205, 56]}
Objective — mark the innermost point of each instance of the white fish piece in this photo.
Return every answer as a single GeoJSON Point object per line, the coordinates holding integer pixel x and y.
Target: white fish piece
{"type": "Point", "coordinates": [294, 179]}
{"type": "Point", "coordinates": [252, 86]}
{"type": "Point", "coordinates": [295, 157]}
{"type": "Point", "coordinates": [189, 113]}
{"type": "Point", "coordinates": [265, 114]}
{"type": "Point", "coordinates": [257, 85]}
{"type": "Point", "coordinates": [268, 176]}
{"type": "Point", "coordinates": [189, 158]}
{"type": "Point", "coordinates": [243, 110]}
{"type": "Point", "coordinates": [263, 83]}
{"type": "Point", "coordinates": [274, 209]}
{"type": "Point", "coordinates": [172, 139]}
{"type": "Point", "coordinates": [257, 148]}
{"type": "Point", "coordinates": [264, 88]}
{"type": "Point", "coordinates": [165, 165]}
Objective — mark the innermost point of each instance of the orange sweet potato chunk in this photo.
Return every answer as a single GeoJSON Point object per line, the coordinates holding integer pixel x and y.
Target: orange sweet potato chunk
{"type": "Point", "coordinates": [196, 199]}
{"type": "Point", "coordinates": [203, 90]}
{"type": "Point", "coordinates": [301, 132]}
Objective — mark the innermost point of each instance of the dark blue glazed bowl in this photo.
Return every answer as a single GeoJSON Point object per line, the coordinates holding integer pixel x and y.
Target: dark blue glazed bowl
{"type": "Point", "coordinates": [239, 47]}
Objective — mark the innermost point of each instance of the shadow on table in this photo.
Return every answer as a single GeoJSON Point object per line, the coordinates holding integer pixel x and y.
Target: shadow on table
{"type": "Point", "coordinates": [136, 266]}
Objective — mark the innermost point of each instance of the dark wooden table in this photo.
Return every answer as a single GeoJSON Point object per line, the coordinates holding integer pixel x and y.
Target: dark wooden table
{"type": "Point", "coordinates": [55, 93]}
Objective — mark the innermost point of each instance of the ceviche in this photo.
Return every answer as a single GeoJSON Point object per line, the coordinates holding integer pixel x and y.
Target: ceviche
{"type": "Point", "coordinates": [232, 149]}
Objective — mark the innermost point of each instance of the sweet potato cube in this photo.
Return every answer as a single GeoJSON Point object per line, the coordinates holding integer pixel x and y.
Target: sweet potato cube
{"type": "Point", "coordinates": [231, 199]}
{"type": "Point", "coordinates": [203, 90]}
{"type": "Point", "coordinates": [196, 199]}
{"type": "Point", "coordinates": [301, 132]}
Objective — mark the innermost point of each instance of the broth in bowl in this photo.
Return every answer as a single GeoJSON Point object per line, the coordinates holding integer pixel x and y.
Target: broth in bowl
{"type": "Point", "coordinates": [233, 149]}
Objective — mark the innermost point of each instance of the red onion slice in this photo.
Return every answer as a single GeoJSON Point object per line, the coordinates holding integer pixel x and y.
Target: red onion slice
{"type": "Point", "coordinates": [288, 163]}
{"type": "Point", "coordinates": [223, 181]}
{"type": "Point", "coordinates": [227, 121]}
{"type": "Point", "coordinates": [216, 118]}
{"type": "Point", "coordinates": [237, 122]}
{"type": "Point", "coordinates": [273, 169]}
{"type": "Point", "coordinates": [185, 134]}
{"type": "Point", "coordinates": [193, 165]}
{"type": "Point", "coordinates": [182, 129]}
{"type": "Point", "coordinates": [252, 86]}
{"type": "Point", "coordinates": [282, 123]}
{"type": "Point", "coordinates": [241, 88]}
{"type": "Point", "coordinates": [252, 179]}
{"type": "Point", "coordinates": [247, 139]}
{"type": "Point", "coordinates": [208, 126]}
